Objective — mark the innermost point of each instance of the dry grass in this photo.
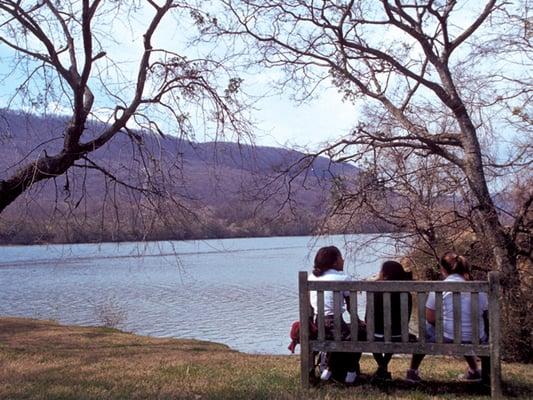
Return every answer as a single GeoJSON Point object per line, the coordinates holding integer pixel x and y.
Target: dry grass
{"type": "Point", "coordinates": [43, 360]}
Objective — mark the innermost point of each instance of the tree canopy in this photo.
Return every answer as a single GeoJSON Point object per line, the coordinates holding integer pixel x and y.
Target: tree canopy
{"type": "Point", "coordinates": [442, 90]}
{"type": "Point", "coordinates": [76, 58]}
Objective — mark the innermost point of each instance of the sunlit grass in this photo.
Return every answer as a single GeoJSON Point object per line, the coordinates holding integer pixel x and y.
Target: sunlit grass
{"type": "Point", "coordinates": [43, 360]}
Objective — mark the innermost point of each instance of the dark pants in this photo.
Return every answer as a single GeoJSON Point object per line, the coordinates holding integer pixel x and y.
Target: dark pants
{"type": "Point", "coordinates": [341, 363]}
{"type": "Point", "coordinates": [383, 359]}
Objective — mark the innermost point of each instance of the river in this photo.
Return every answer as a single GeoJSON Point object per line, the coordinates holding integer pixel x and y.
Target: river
{"type": "Point", "coordinates": [240, 292]}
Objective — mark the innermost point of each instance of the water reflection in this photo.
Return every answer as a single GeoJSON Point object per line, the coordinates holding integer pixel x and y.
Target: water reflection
{"type": "Point", "coordinates": [241, 292]}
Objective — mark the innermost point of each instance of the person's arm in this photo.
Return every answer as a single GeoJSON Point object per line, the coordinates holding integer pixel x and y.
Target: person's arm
{"type": "Point", "coordinates": [430, 308]}
{"type": "Point", "coordinates": [430, 316]}
{"type": "Point", "coordinates": [311, 310]}
{"type": "Point", "coordinates": [485, 313]}
{"type": "Point", "coordinates": [486, 323]}
{"type": "Point", "coordinates": [346, 295]}
{"type": "Point", "coordinates": [347, 301]}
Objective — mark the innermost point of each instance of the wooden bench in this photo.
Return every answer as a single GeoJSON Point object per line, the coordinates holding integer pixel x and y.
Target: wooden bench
{"type": "Point", "coordinates": [420, 291]}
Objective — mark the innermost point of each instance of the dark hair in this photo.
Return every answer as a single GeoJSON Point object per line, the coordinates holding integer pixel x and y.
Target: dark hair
{"type": "Point", "coordinates": [393, 271]}
{"type": "Point", "coordinates": [454, 264]}
{"type": "Point", "coordinates": [325, 259]}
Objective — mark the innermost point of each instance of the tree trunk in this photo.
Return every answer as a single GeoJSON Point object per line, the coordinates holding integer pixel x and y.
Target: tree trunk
{"type": "Point", "coordinates": [516, 325]}
{"type": "Point", "coordinates": [44, 167]}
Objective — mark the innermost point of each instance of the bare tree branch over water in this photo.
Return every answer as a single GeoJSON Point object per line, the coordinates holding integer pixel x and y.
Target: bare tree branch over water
{"type": "Point", "coordinates": [443, 94]}
{"type": "Point", "coordinates": [69, 57]}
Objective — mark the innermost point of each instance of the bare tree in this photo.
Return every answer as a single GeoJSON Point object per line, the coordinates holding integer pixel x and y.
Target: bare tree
{"type": "Point", "coordinates": [441, 84]}
{"type": "Point", "coordinates": [74, 57]}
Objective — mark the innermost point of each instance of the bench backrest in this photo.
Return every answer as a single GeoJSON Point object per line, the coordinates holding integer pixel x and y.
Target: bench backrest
{"type": "Point", "coordinates": [419, 290]}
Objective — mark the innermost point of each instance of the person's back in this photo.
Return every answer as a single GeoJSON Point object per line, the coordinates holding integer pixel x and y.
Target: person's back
{"type": "Point", "coordinates": [454, 268]}
{"type": "Point", "coordinates": [327, 276]}
{"type": "Point", "coordinates": [466, 312]}
{"type": "Point", "coordinates": [390, 271]}
{"type": "Point", "coordinates": [328, 266]}
{"type": "Point", "coordinates": [395, 313]}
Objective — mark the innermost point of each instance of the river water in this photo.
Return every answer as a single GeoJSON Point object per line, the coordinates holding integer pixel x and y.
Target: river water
{"type": "Point", "coordinates": [240, 292]}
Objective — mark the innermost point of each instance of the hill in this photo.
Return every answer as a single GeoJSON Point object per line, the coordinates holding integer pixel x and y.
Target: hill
{"type": "Point", "coordinates": [187, 189]}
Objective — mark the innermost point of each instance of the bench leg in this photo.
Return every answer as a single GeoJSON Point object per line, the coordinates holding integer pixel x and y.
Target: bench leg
{"type": "Point", "coordinates": [495, 377]}
{"type": "Point", "coordinates": [307, 368]}
{"type": "Point", "coordinates": [304, 368]}
{"type": "Point", "coordinates": [490, 375]}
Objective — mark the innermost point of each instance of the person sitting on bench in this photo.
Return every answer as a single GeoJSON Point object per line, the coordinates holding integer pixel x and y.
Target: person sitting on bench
{"type": "Point", "coordinates": [453, 268]}
{"type": "Point", "coordinates": [390, 271]}
{"type": "Point", "coordinates": [328, 266]}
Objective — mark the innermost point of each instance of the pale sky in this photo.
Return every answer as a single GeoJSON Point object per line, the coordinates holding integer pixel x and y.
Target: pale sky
{"type": "Point", "coordinates": [279, 120]}
{"type": "Point", "coordinates": [283, 122]}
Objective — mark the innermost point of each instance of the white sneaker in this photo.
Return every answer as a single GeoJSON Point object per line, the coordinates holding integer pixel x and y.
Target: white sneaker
{"type": "Point", "coordinates": [471, 376]}
{"type": "Point", "coordinates": [325, 375]}
{"type": "Point", "coordinates": [350, 377]}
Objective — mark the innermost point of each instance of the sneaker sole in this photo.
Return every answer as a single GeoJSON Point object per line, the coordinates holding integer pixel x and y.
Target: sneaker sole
{"type": "Point", "coordinates": [463, 379]}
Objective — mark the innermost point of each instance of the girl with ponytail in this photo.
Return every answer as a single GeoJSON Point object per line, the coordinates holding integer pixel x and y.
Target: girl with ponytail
{"type": "Point", "coordinates": [453, 267]}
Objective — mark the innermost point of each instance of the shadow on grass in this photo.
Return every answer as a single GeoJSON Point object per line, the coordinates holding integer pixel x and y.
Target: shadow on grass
{"type": "Point", "coordinates": [434, 387]}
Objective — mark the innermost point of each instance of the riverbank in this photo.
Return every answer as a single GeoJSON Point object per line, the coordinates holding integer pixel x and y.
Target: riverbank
{"type": "Point", "coordinates": [44, 360]}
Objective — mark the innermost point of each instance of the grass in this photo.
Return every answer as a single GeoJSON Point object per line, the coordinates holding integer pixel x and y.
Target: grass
{"type": "Point", "coordinates": [44, 360]}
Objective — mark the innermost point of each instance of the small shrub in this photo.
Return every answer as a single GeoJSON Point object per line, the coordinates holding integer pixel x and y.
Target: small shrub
{"type": "Point", "coordinates": [109, 313]}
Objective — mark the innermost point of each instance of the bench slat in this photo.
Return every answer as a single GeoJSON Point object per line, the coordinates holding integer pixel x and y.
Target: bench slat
{"type": "Point", "coordinates": [402, 348]}
{"type": "Point", "coordinates": [439, 327]}
{"type": "Point", "coordinates": [354, 319]}
{"type": "Point", "coordinates": [400, 286]}
{"type": "Point", "coordinates": [404, 304]}
{"type": "Point", "coordinates": [474, 315]}
{"type": "Point", "coordinates": [387, 329]}
{"type": "Point", "coordinates": [320, 315]}
{"type": "Point", "coordinates": [370, 316]}
{"type": "Point", "coordinates": [421, 304]}
{"type": "Point", "coordinates": [337, 315]}
{"type": "Point", "coordinates": [457, 317]}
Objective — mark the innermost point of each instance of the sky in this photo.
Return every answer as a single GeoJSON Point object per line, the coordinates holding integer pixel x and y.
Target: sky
{"type": "Point", "coordinates": [279, 121]}
{"type": "Point", "coordinates": [282, 122]}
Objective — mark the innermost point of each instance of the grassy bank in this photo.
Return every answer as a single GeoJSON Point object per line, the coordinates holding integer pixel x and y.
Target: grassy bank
{"type": "Point", "coordinates": [43, 360]}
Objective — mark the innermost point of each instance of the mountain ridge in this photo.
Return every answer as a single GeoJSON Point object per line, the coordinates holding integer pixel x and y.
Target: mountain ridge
{"type": "Point", "coordinates": [226, 189]}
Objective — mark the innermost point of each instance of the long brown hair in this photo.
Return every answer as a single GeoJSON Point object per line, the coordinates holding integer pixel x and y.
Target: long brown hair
{"type": "Point", "coordinates": [325, 259]}
{"type": "Point", "coordinates": [455, 264]}
{"type": "Point", "coordinates": [393, 271]}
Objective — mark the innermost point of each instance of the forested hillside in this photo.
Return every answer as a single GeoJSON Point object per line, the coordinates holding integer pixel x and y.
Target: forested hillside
{"type": "Point", "coordinates": [218, 189]}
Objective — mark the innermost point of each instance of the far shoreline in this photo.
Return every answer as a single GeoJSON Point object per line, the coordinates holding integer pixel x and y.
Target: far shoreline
{"type": "Point", "coordinates": [200, 239]}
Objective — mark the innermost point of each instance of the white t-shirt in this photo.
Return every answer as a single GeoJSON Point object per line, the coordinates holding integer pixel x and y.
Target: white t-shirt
{"type": "Point", "coordinates": [329, 275]}
{"type": "Point", "coordinates": [466, 319]}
